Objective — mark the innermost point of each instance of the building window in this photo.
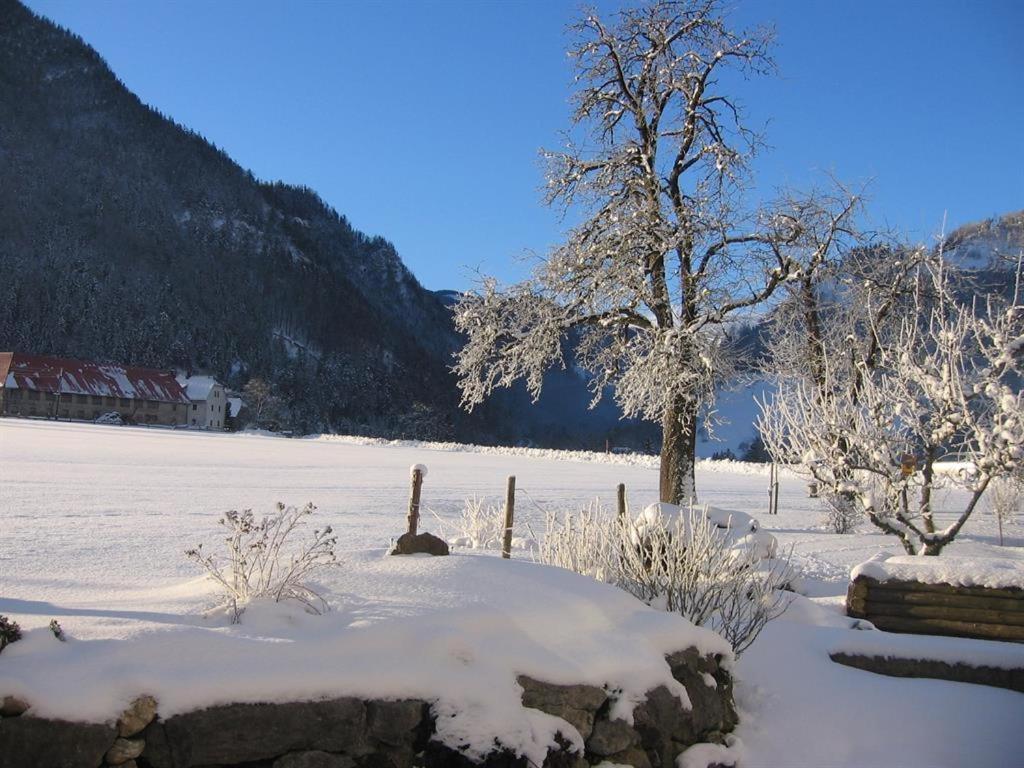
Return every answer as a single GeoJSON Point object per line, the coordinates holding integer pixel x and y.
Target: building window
{"type": "Point", "coordinates": [81, 399]}
{"type": "Point", "coordinates": [50, 397]}
{"type": "Point", "coordinates": [125, 402]}
{"type": "Point", "coordinates": [152, 405]}
{"type": "Point", "coordinates": [97, 400]}
{"type": "Point", "coordinates": [193, 408]}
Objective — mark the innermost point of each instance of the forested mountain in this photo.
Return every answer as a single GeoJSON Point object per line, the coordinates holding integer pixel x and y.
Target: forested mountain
{"type": "Point", "coordinates": [126, 237]}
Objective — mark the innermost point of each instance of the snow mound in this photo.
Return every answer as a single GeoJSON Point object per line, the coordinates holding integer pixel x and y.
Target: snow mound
{"type": "Point", "coordinates": [455, 630]}
{"type": "Point", "coordinates": [991, 572]}
{"type": "Point", "coordinates": [669, 514]}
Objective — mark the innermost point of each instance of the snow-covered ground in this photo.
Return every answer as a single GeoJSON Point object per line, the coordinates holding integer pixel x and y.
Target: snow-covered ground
{"type": "Point", "coordinates": [94, 521]}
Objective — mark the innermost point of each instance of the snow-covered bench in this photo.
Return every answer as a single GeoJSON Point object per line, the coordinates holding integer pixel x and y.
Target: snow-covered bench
{"type": "Point", "coordinates": [964, 597]}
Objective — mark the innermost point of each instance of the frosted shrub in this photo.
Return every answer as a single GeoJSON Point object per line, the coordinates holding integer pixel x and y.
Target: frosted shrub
{"type": "Point", "coordinates": [1006, 499]}
{"type": "Point", "coordinates": [480, 526]}
{"type": "Point", "coordinates": [842, 515]}
{"type": "Point", "coordinates": [686, 565]}
{"type": "Point", "coordinates": [263, 559]}
{"type": "Point", "coordinates": [584, 543]}
{"type": "Point", "coordinates": [10, 632]}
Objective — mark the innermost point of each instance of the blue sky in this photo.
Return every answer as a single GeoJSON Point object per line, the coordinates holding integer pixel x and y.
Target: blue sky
{"type": "Point", "coordinates": [421, 121]}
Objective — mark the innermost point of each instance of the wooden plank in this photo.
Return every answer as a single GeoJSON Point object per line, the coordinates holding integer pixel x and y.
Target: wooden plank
{"type": "Point", "coordinates": [960, 672]}
{"type": "Point", "coordinates": [944, 612]}
{"type": "Point", "coordinates": [947, 627]}
{"type": "Point", "coordinates": [915, 586]}
{"type": "Point", "coordinates": [938, 598]}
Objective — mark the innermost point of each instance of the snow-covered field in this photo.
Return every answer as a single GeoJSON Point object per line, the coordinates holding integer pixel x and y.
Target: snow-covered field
{"type": "Point", "coordinates": [94, 521]}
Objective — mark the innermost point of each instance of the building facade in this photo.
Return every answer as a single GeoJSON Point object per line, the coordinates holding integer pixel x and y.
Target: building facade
{"type": "Point", "coordinates": [209, 401]}
{"type": "Point", "coordinates": [53, 387]}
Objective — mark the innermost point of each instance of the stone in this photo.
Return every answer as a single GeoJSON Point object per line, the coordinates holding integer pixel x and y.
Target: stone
{"type": "Point", "coordinates": [12, 706]}
{"type": "Point", "coordinates": [610, 737]}
{"type": "Point", "coordinates": [314, 759]}
{"type": "Point", "coordinates": [388, 757]}
{"type": "Point", "coordinates": [157, 753]}
{"type": "Point", "coordinates": [124, 750]}
{"type": "Point", "coordinates": [239, 733]}
{"type": "Point", "coordinates": [31, 741]}
{"type": "Point", "coordinates": [395, 723]}
{"type": "Point", "coordinates": [633, 756]}
{"type": "Point", "coordinates": [576, 704]}
{"type": "Point", "coordinates": [438, 755]}
{"type": "Point", "coordinates": [139, 714]}
{"type": "Point", "coordinates": [661, 722]}
{"type": "Point", "coordinates": [421, 543]}
{"type": "Point", "coordinates": [713, 706]}
{"type": "Point", "coordinates": [562, 755]}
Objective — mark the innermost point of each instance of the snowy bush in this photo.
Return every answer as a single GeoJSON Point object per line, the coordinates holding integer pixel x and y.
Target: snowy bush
{"type": "Point", "coordinates": [1006, 499]}
{"type": "Point", "coordinates": [263, 560]}
{"type": "Point", "coordinates": [683, 563]}
{"type": "Point", "coordinates": [57, 630]}
{"type": "Point", "coordinates": [479, 526]}
{"type": "Point", "coordinates": [10, 632]}
{"type": "Point", "coordinates": [842, 515]}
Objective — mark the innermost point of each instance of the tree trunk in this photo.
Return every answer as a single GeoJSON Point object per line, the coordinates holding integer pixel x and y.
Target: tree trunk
{"type": "Point", "coordinates": [678, 452]}
{"type": "Point", "coordinates": [928, 474]}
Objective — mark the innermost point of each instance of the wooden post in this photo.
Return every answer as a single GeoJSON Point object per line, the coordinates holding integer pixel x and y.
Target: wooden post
{"type": "Point", "coordinates": [414, 500]}
{"type": "Point", "coordinates": [510, 506]}
{"type": "Point", "coordinates": [620, 499]}
{"type": "Point", "coordinates": [776, 496]}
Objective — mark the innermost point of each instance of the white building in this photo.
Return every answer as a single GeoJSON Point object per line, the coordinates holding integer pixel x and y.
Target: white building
{"type": "Point", "coordinates": [208, 407]}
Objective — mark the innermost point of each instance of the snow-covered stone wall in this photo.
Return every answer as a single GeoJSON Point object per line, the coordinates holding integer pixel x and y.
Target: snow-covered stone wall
{"type": "Point", "coordinates": [352, 732]}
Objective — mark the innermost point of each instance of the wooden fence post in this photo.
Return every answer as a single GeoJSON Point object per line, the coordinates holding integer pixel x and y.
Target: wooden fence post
{"type": "Point", "coordinates": [773, 489]}
{"type": "Point", "coordinates": [510, 506]}
{"type": "Point", "coordinates": [414, 500]}
{"type": "Point", "coordinates": [620, 501]}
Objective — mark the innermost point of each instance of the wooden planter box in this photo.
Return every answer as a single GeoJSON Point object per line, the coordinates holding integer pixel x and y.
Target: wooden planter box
{"type": "Point", "coordinates": [938, 609]}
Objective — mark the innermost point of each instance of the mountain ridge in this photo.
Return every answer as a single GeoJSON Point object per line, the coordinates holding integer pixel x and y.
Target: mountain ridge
{"type": "Point", "coordinates": [116, 217]}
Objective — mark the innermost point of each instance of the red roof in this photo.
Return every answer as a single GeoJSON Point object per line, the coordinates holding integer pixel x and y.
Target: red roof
{"type": "Point", "coordinates": [81, 377]}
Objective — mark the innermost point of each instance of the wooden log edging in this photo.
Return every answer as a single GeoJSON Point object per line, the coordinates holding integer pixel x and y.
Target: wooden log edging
{"type": "Point", "coordinates": [960, 672]}
{"type": "Point", "coordinates": [938, 609]}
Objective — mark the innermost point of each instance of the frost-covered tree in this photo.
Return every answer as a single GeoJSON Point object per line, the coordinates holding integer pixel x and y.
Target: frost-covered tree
{"type": "Point", "coordinates": [893, 400]}
{"type": "Point", "coordinates": [667, 254]}
{"type": "Point", "coordinates": [840, 313]}
{"type": "Point", "coordinates": [259, 396]}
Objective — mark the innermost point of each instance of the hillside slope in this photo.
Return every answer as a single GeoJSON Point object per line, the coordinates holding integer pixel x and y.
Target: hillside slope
{"type": "Point", "coordinates": [125, 237]}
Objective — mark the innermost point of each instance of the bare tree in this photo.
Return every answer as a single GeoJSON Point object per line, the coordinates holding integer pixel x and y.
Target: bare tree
{"type": "Point", "coordinates": [666, 254]}
{"type": "Point", "coordinates": [940, 382]}
{"type": "Point", "coordinates": [259, 396]}
{"type": "Point", "coordinates": [828, 328]}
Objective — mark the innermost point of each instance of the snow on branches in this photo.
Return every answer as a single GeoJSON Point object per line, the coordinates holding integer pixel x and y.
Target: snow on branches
{"type": "Point", "coordinates": [667, 253]}
{"type": "Point", "coordinates": [929, 378]}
